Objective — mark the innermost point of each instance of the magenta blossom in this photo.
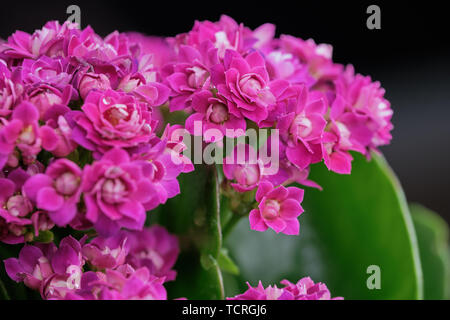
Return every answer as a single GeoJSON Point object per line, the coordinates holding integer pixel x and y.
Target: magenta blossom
{"type": "Point", "coordinates": [243, 167]}
{"type": "Point", "coordinates": [112, 119]}
{"type": "Point", "coordinates": [115, 191]}
{"type": "Point", "coordinates": [57, 191]}
{"type": "Point", "coordinates": [107, 252]}
{"type": "Point", "coordinates": [44, 96]}
{"type": "Point", "coordinates": [278, 209]}
{"type": "Point", "coordinates": [53, 71]}
{"type": "Point", "coordinates": [302, 128]}
{"type": "Point", "coordinates": [154, 248]}
{"type": "Point", "coordinates": [11, 89]}
{"type": "Point", "coordinates": [23, 132]}
{"type": "Point", "coordinates": [304, 289]}
{"type": "Point", "coordinates": [244, 84]}
{"type": "Point", "coordinates": [92, 81]}
{"type": "Point", "coordinates": [213, 118]}
{"type": "Point", "coordinates": [15, 209]}
{"type": "Point", "coordinates": [124, 283]}
{"type": "Point", "coordinates": [190, 74]}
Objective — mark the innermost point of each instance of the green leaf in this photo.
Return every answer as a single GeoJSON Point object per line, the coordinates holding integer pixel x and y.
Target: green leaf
{"type": "Point", "coordinates": [194, 215]}
{"type": "Point", "coordinates": [358, 220]}
{"type": "Point", "coordinates": [433, 235]}
{"type": "Point", "coordinates": [226, 263]}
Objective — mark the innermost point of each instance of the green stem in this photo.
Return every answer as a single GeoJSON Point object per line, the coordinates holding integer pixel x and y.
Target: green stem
{"type": "Point", "coordinates": [235, 218]}
{"type": "Point", "coordinates": [4, 293]}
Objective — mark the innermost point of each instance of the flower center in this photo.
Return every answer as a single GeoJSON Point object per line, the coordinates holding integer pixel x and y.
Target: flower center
{"type": "Point", "coordinates": [18, 206]}
{"type": "Point", "coordinates": [27, 135]}
{"type": "Point", "coordinates": [67, 183]}
{"type": "Point", "coordinates": [247, 175]}
{"type": "Point", "coordinates": [113, 191]}
{"type": "Point", "coordinates": [271, 209]}
{"type": "Point", "coordinates": [301, 126]}
{"type": "Point", "coordinates": [117, 113]}
{"type": "Point", "coordinates": [250, 85]}
{"type": "Point", "coordinates": [197, 78]}
{"type": "Point", "coordinates": [219, 113]}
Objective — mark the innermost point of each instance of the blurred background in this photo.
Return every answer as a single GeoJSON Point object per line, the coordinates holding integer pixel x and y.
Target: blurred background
{"type": "Point", "coordinates": [409, 56]}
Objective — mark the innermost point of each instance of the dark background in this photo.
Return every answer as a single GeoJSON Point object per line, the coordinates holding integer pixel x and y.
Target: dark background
{"type": "Point", "coordinates": [409, 55]}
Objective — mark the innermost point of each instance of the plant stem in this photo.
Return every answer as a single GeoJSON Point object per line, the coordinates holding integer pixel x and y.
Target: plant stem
{"type": "Point", "coordinates": [235, 218]}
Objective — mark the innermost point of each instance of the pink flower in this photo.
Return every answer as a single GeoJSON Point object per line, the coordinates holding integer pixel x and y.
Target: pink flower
{"type": "Point", "coordinates": [361, 107]}
{"type": "Point", "coordinates": [11, 89]}
{"type": "Point", "coordinates": [304, 289]}
{"type": "Point", "coordinates": [32, 267]}
{"type": "Point", "coordinates": [278, 209]}
{"type": "Point", "coordinates": [302, 128]}
{"type": "Point", "coordinates": [115, 191]}
{"type": "Point", "coordinates": [111, 119]}
{"type": "Point", "coordinates": [52, 71]}
{"type": "Point", "coordinates": [154, 248]}
{"type": "Point", "coordinates": [92, 81]}
{"type": "Point", "coordinates": [317, 57]}
{"type": "Point", "coordinates": [189, 74]}
{"type": "Point", "coordinates": [57, 191]}
{"type": "Point", "coordinates": [242, 166]}
{"type": "Point", "coordinates": [46, 41]}
{"type": "Point", "coordinates": [44, 96]}
{"type": "Point", "coordinates": [56, 133]}
{"type": "Point", "coordinates": [213, 118]}
{"type": "Point", "coordinates": [224, 34]}
{"type": "Point", "coordinates": [124, 283]}
{"type": "Point", "coordinates": [261, 293]}
{"type": "Point", "coordinates": [15, 209]}
{"type": "Point", "coordinates": [163, 165]}
{"type": "Point", "coordinates": [174, 135]}
{"type": "Point", "coordinates": [244, 84]}
{"type": "Point", "coordinates": [51, 270]}
{"type": "Point", "coordinates": [23, 132]}
{"type": "Point", "coordinates": [107, 252]}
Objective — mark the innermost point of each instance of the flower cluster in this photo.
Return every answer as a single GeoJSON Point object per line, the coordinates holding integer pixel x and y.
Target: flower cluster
{"type": "Point", "coordinates": [113, 268]}
{"type": "Point", "coordinates": [304, 289]}
{"type": "Point", "coordinates": [227, 78]}
{"type": "Point", "coordinates": [88, 141]}
{"type": "Point", "coordinates": [79, 118]}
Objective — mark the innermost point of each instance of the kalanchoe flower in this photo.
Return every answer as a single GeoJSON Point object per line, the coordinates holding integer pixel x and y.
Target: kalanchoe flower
{"type": "Point", "coordinates": [53, 71]}
{"type": "Point", "coordinates": [92, 81]}
{"type": "Point", "coordinates": [57, 191]}
{"type": "Point", "coordinates": [278, 208]}
{"type": "Point", "coordinates": [243, 167]}
{"type": "Point", "coordinates": [124, 283]}
{"type": "Point", "coordinates": [51, 270]}
{"type": "Point", "coordinates": [107, 252]}
{"type": "Point", "coordinates": [44, 96]}
{"type": "Point", "coordinates": [111, 119]}
{"type": "Point", "coordinates": [302, 126]}
{"type": "Point", "coordinates": [304, 289]}
{"type": "Point", "coordinates": [56, 134]}
{"type": "Point", "coordinates": [22, 132]}
{"type": "Point", "coordinates": [32, 267]}
{"type": "Point", "coordinates": [244, 84]}
{"type": "Point", "coordinates": [154, 248]}
{"type": "Point", "coordinates": [189, 74]}
{"type": "Point", "coordinates": [46, 41]}
{"type": "Point", "coordinates": [213, 118]}
{"type": "Point", "coordinates": [115, 191]}
{"type": "Point", "coordinates": [14, 212]}
{"type": "Point", "coordinates": [11, 89]}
